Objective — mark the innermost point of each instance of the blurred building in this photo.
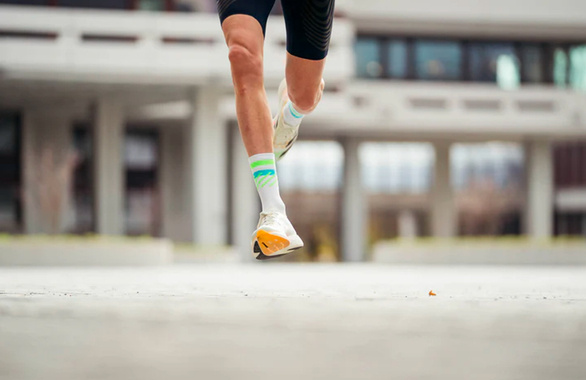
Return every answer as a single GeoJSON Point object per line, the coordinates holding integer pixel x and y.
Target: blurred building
{"type": "Point", "coordinates": [117, 117]}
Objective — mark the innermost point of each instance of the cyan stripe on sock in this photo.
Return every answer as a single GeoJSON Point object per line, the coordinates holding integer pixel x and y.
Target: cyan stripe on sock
{"type": "Point", "coordinates": [265, 177]}
{"type": "Point", "coordinates": [294, 112]}
{"type": "Point", "coordinates": [263, 172]}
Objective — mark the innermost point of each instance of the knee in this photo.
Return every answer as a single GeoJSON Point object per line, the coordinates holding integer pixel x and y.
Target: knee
{"type": "Point", "coordinates": [246, 65]}
{"type": "Point", "coordinates": [241, 55]}
{"type": "Point", "coordinates": [305, 99]}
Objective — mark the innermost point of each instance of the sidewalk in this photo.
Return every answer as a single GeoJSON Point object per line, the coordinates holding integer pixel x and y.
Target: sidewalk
{"type": "Point", "coordinates": [279, 321]}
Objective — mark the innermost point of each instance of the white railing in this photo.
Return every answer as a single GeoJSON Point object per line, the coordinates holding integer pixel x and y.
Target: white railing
{"type": "Point", "coordinates": [138, 46]}
{"type": "Point", "coordinates": [462, 108]}
{"type": "Point", "coordinates": [429, 110]}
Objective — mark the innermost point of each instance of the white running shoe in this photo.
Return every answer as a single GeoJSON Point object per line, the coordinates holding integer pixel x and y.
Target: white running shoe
{"type": "Point", "coordinates": [284, 135]}
{"type": "Point", "coordinates": [274, 236]}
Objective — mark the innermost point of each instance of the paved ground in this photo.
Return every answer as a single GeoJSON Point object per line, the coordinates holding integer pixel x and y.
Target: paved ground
{"type": "Point", "coordinates": [279, 321]}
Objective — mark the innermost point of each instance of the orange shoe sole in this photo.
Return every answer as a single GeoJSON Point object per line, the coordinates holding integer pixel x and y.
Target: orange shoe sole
{"type": "Point", "coordinates": [270, 243]}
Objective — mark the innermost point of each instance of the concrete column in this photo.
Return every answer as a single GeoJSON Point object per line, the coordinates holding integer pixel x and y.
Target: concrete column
{"type": "Point", "coordinates": [172, 184]}
{"type": "Point", "coordinates": [444, 216]}
{"type": "Point", "coordinates": [539, 187]}
{"type": "Point", "coordinates": [244, 198]}
{"type": "Point", "coordinates": [31, 211]}
{"type": "Point", "coordinates": [108, 141]}
{"type": "Point", "coordinates": [407, 225]}
{"type": "Point", "coordinates": [354, 222]}
{"type": "Point", "coordinates": [48, 167]}
{"type": "Point", "coordinates": [206, 169]}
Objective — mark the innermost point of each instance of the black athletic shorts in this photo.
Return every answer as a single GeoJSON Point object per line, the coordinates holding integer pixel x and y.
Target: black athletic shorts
{"type": "Point", "coordinates": [309, 22]}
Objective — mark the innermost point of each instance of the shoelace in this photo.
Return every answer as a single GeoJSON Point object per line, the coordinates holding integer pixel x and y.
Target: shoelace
{"type": "Point", "coordinates": [270, 218]}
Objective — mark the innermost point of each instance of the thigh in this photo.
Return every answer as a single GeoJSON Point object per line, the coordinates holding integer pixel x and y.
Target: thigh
{"type": "Point", "coordinates": [309, 27]}
{"type": "Point", "coordinates": [259, 9]}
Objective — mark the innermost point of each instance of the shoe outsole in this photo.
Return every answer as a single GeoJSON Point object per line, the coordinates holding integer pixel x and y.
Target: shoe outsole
{"type": "Point", "coordinates": [271, 243]}
{"type": "Point", "coordinates": [260, 255]}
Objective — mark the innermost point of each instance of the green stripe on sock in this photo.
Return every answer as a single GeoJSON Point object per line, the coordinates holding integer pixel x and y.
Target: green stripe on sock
{"type": "Point", "coordinates": [260, 179]}
{"type": "Point", "coordinates": [273, 182]}
{"type": "Point", "coordinates": [266, 180]}
{"type": "Point", "coordinates": [262, 163]}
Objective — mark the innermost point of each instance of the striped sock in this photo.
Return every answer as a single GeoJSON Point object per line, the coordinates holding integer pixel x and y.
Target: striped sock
{"type": "Point", "coordinates": [264, 172]}
{"type": "Point", "coordinates": [291, 116]}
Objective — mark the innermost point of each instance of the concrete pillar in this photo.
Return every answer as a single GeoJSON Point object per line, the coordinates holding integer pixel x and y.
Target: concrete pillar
{"type": "Point", "coordinates": [444, 216]}
{"type": "Point", "coordinates": [354, 221]}
{"type": "Point", "coordinates": [243, 198]}
{"type": "Point", "coordinates": [206, 169]}
{"type": "Point", "coordinates": [172, 184]}
{"type": "Point", "coordinates": [109, 186]}
{"type": "Point", "coordinates": [539, 187]}
{"type": "Point", "coordinates": [48, 168]}
{"type": "Point", "coordinates": [407, 225]}
{"type": "Point", "coordinates": [31, 211]}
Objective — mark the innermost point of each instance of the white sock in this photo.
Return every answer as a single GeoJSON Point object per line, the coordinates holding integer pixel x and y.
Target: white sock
{"type": "Point", "coordinates": [264, 172]}
{"type": "Point", "coordinates": [291, 116]}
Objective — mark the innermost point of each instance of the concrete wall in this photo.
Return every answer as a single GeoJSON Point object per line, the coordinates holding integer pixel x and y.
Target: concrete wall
{"type": "Point", "coordinates": [172, 167]}
{"type": "Point", "coordinates": [490, 252]}
{"type": "Point", "coordinates": [508, 19]}
{"type": "Point", "coordinates": [82, 251]}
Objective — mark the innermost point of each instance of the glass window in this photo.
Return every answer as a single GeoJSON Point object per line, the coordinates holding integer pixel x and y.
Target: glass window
{"type": "Point", "coordinates": [438, 60]}
{"type": "Point", "coordinates": [140, 150]}
{"type": "Point", "coordinates": [300, 171]}
{"type": "Point", "coordinates": [83, 191]}
{"type": "Point", "coordinates": [368, 58]}
{"type": "Point", "coordinates": [187, 6]}
{"type": "Point", "coordinates": [9, 173]}
{"type": "Point", "coordinates": [151, 5]}
{"type": "Point", "coordinates": [560, 68]}
{"type": "Point", "coordinates": [578, 67]}
{"type": "Point", "coordinates": [25, 2]}
{"type": "Point", "coordinates": [507, 72]}
{"type": "Point", "coordinates": [100, 4]}
{"type": "Point", "coordinates": [484, 58]}
{"type": "Point", "coordinates": [7, 135]}
{"type": "Point", "coordinates": [141, 158]}
{"type": "Point", "coordinates": [397, 59]}
{"type": "Point", "coordinates": [396, 167]}
{"type": "Point", "coordinates": [532, 58]}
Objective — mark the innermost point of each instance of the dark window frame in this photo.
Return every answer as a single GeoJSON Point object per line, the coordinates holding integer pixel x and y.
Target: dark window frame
{"type": "Point", "coordinates": [17, 161]}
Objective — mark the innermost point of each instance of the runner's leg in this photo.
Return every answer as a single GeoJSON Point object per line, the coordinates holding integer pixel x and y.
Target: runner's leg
{"type": "Point", "coordinates": [309, 27]}
{"type": "Point", "coordinates": [243, 24]}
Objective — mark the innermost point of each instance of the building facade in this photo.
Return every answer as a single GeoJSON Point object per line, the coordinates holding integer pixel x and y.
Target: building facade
{"type": "Point", "coordinates": [109, 113]}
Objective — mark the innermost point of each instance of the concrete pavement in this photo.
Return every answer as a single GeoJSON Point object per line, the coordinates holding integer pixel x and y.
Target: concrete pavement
{"type": "Point", "coordinates": [290, 321]}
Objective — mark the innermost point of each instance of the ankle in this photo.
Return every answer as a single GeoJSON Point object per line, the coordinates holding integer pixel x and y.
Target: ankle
{"type": "Point", "coordinates": [291, 115]}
